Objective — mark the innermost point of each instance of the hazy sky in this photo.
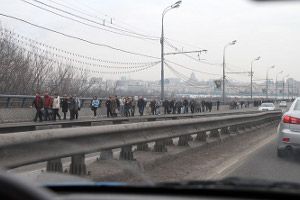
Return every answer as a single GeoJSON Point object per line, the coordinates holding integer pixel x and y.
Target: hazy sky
{"type": "Point", "coordinates": [269, 30]}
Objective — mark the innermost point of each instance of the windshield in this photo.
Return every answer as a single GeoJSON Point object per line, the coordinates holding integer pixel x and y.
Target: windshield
{"type": "Point", "coordinates": [297, 105]}
{"type": "Point", "coordinates": [267, 105]}
{"type": "Point", "coordinates": [147, 91]}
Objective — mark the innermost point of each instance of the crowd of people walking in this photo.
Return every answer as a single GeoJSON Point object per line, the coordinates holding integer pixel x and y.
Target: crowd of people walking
{"type": "Point", "coordinates": [48, 107]}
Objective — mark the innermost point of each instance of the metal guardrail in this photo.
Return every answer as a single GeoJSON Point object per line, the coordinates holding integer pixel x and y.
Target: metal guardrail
{"type": "Point", "coordinates": [32, 126]}
{"type": "Point", "coordinates": [18, 149]}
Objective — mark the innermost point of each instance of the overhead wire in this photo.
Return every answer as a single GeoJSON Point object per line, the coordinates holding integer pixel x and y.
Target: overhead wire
{"type": "Point", "coordinates": [96, 17]}
{"type": "Point", "coordinates": [69, 64]}
{"type": "Point", "coordinates": [82, 3]}
{"type": "Point", "coordinates": [181, 76]}
{"type": "Point", "coordinates": [125, 32]}
{"type": "Point", "coordinates": [194, 70]}
{"type": "Point", "coordinates": [78, 38]}
{"type": "Point", "coordinates": [197, 60]}
{"type": "Point", "coordinates": [33, 43]}
{"type": "Point", "coordinates": [85, 69]}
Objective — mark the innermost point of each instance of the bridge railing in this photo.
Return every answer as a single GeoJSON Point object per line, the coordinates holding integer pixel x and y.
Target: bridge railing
{"type": "Point", "coordinates": [32, 126]}
{"type": "Point", "coordinates": [18, 149]}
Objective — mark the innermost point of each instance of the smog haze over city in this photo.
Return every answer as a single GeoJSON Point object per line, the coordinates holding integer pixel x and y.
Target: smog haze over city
{"type": "Point", "coordinates": [268, 30]}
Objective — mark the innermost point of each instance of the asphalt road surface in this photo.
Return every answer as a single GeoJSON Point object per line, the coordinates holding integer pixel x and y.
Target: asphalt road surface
{"type": "Point", "coordinates": [264, 164]}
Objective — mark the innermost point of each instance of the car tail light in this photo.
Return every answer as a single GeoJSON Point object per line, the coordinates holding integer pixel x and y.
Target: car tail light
{"type": "Point", "coordinates": [285, 139]}
{"type": "Point", "coordinates": [290, 120]}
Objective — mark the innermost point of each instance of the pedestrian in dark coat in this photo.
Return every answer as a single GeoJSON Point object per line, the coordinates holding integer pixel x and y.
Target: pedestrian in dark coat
{"type": "Point", "coordinates": [203, 105]}
{"type": "Point", "coordinates": [118, 103]}
{"type": "Point", "coordinates": [47, 106]}
{"type": "Point", "coordinates": [152, 106]}
{"type": "Point", "coordinates": [185, 104]}
{"type": "Point", "coordinates": [218, 104]}
{"type": "Point", "coordinates": [210, 106]}
{"type": "Point", "coordinates": [64, 105]}
{"type": "Point", "coordinates": [133, 105]}
{"type": "Point", "coordinates": [127, 107]}
{"type": "Point", "coordinates": [107, 105]}
{"type": "Point", "coordinates": [113, 107]}
{"type": "Point", "coordinates": [172, 106]}
{"type": "Point", "coordinates": [141, 105]}
{"type": "Point", "coordinates": [166, 105]}
{"type": "Point", "coordinates": [178, 106]}
{"type": "Point", "coordinates": [192, 105]}
{"type": "Point", "coordinates": [72, 107]}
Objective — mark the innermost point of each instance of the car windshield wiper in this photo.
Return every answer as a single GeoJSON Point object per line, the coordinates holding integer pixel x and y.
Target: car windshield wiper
{"type": "Point", "coordinates": [233, 182]}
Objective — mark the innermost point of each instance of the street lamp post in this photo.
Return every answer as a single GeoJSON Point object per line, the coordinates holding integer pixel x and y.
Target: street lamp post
{"type": "Point", "coordinates": [267, 80]}
{"type": "Point", "coordinates": [251, 74]}
{"type": "Point", "coordinates": [288, 89]}
{"type": "Point", "coordinates": [224, 77]}
{"type": "Point", "coordinates": [292, 89]}
{"type": "Point", "coordinates": [283, 80]}
{"type": "Point", "coordinates": [175, 5]}
{"type": "Point", "coordinates": [277, 84]}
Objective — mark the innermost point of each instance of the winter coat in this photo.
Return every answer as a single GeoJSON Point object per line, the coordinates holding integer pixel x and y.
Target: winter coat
{"type": "Point", "coordinates": [113, 106]}
{"type": "Point", "coordinates": [72, 104]}
{"type": "Point", "coordinates": [56, 103]}
{"type": "Point", "coordinates": [64, 105]}
{"type": "Point", "coordinates": [47, 101]}
{"type": "Point", "coordinates": [152, 104]}
{"type": "Point", "coordinates": [141, 103]}
{"type": "Point", "coordinates": [77, 104]}
{"type": "Point", "coordinates": [178, 104]}
{"type": "Point", "coordinates": [172, 104]}
{"type": "Point", "coordinates": [133, 103]}
{"type": "Point", "coordinates": [107, 103]}
{"type": "Point", "coordinates": [166, 103]}
{"type": "Point", "coordinates": [185, 102]}
{"type": "Point", "coordinates": [38, 102]}
{"type": "Point", "coordinates": [95, 103]}
{"type": "Point", "coordinates": [118, 103]}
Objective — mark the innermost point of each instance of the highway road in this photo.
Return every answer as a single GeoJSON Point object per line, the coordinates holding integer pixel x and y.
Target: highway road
{"type": "Point", "coordinates": [264, 164]}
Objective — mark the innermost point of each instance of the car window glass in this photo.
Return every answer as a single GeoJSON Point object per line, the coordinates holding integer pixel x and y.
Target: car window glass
{"type": "Point", "coordinates": [297, 105]}
{"type": "Point", "coordinates": [267, 105]}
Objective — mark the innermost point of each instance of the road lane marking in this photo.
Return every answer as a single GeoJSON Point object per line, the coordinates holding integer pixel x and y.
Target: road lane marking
{"type": "Point", "coordinates": [236, 162]}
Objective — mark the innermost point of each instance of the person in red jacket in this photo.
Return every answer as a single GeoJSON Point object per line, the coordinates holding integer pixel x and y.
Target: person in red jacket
{"type": "Point", "coordinates": [47, 106]}
{"type": "Point", "coordinates": [38, 104]}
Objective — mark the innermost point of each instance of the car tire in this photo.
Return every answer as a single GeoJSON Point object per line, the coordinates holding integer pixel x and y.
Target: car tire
{"type": "Point", "coordinates": [280, 153]}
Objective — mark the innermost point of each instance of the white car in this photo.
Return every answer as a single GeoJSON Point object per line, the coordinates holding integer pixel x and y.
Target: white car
{"type": "Point", "coordinates": [282, 104]}
{"type": "Point", "coordinates": [289, 131]}
{"type": "Point", "coordinates": [266, 107]}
